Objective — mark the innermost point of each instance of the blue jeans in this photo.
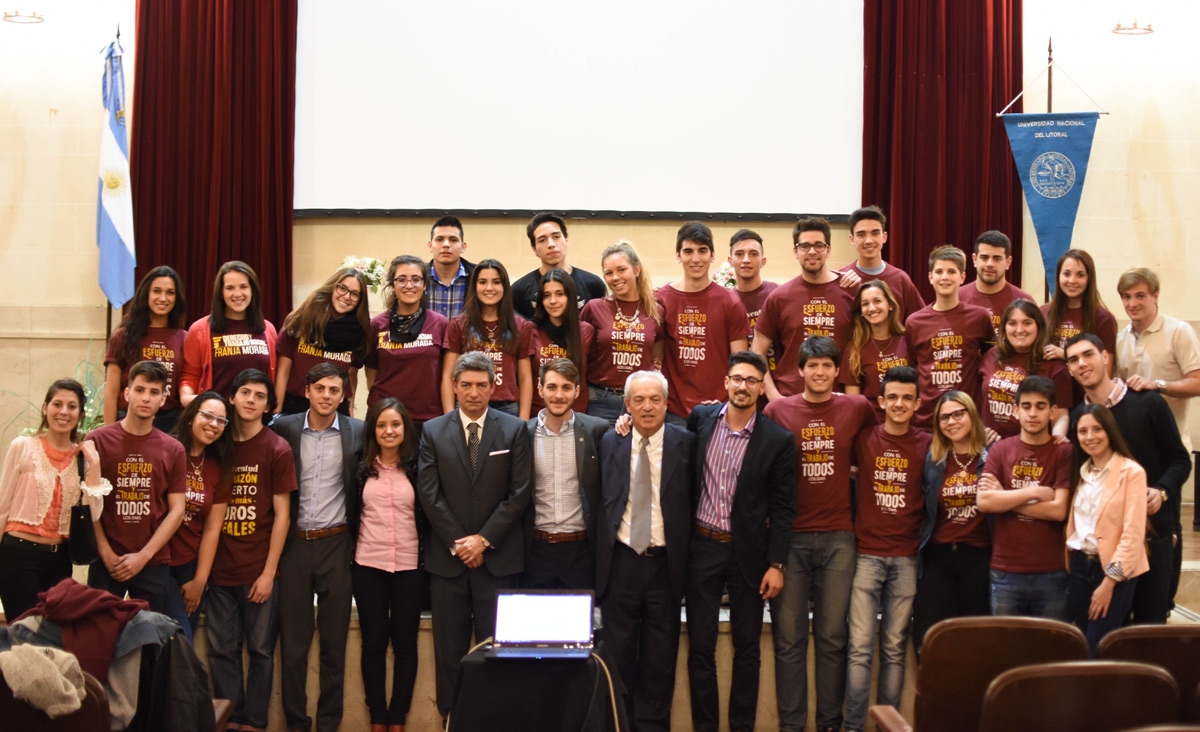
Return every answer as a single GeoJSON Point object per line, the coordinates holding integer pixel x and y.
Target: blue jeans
{"type": "Point", "coordinates": [1086, 575]}
{"type": "Point", "coordinates": [176, 607]}
{"type": "Point", "coordinates": [821, 566]}
{"type": "Point", "coordinates": [232, 618]}
{"type": "Point", "coordinates": [1038, 594]}
{"type": "Point", "coordinates": [882, 586]}
{"type": "Point", "coordinates": [605, 404]}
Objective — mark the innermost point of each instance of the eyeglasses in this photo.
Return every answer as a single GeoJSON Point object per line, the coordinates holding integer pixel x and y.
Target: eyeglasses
{"type": "Point", "coordinates": [210, 417]}
{"type": "Point", "coordinates": [812, 247]}
{"type": "Point", "coordinates": [346, 292]}
{"type": "Point", "coordinates": [957, 415]}
{"type": "Point", "coordinates": [406, 281]}
{"type": "Point", "coordinates": [747, 380]}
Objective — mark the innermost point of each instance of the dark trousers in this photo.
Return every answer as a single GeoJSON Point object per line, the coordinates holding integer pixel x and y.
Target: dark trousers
{"type": "Point", "coordinates": [641, 626]}
{"type": "Point", "coordinates": [1151, 597]}
{"type": "Point", "coordinates": [176, 607]}
{"type": "Point", "coordinates": [711, 568]}
{"type": "Point", "coordinates": [318, 567]}
{"type": "Point", "coordinates": [461, 604]}
{"type": "Point", "coordinates": [389, 610]}
{"type": "Point", "coordinates": [152, 584]}
{"type": "Point", "coordinates": [953, 584]}
{"type": "Point", "coordinates": [26, 571]}
{"type": "Point", "coordinates": [1087, 572]}
{"type": "Point", "coordinates": [231, 620]}
{"type": "Point", "coordinates": [565, 566]}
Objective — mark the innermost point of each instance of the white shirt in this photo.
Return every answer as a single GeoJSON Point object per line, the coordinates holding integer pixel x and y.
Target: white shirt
{"type": "Point", "coordinates": [467, 422]}
{"type": "Point", "coordinates": [654, 452]}
{"type": "Point", "coordinates": [1087, 508]}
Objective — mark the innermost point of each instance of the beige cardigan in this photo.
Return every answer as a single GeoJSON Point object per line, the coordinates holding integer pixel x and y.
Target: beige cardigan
{"type": "Point", "coordinates": [1121, 520]}
{"type": "Point", "coordinates": [27, 487]}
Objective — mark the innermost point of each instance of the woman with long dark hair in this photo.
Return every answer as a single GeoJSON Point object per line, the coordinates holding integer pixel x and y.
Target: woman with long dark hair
{"type": "Point", "coordinates": [876, 342]}
{"type": "Point", "coordinates": [387, 574]}
{"type": "Point", "coordinates": [331, 326]}
{"type": "Point", "coordinates": [208, 444]}
{"type": "Point", "coordinates": [406, 353]}
{"type": "Point", "coordinates": [489, 324]}
{"type": "Point", "coordinates": [233, 337]}
{"type": "Point", "coordinates": [559, 333]}
{"type": "Point", "coordinates": [39, 484]}
{"type": "Point", "coordinates": [154, 329]}
{"type": "Point", "coordinates": [1020, 345]}
{"type": "Point", "coordinates": [1076, 306]}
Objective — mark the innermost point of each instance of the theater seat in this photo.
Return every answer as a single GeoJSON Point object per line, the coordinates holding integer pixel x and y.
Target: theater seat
{"type": "Point", "coordinates": [91, 717]}
{"type": "Point", "coordinates": [1079, 696]}
{"type": "Point", "coordinates": [961, 656]}
{"type": "Point", "coordinates": [1173, 647]}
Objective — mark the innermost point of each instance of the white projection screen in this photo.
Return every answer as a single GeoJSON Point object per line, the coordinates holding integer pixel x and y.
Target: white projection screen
{"type": "Point", "coordinates": [621, 106]}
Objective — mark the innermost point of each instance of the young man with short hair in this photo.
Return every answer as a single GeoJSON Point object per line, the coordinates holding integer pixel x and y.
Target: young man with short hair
{"type": "Point", "coordinates": [747, 257]}
{"type": "Point", "coordinates": [703, 323]}
{"type": "Point", "coordinates": [868, 235]}
{"type": "Point", "coordinates": [242, 605]}
{"type": "Point", "coordinates": [547, 234]}
{"type": "Point", "coordinates": [148, 472]}
{"type": "Point", "coordinates": [946, 339]}
{"type": "Point", "coordinates": [821, 561]}
{"type": "Point", "coordinates": [991, 289]}
{"type": "Point", "coordinates": [887, 529]}
{"type": "Point", "coordinates": [1025, 482]}
{"type": "Point", "coordinates": [813, 303]}
{"type": "Point", "coordinates": [446, 290]}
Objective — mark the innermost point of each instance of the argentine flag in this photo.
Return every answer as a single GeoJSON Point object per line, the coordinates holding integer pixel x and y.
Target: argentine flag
{"type": "Point", "coordinates": [114, 209]}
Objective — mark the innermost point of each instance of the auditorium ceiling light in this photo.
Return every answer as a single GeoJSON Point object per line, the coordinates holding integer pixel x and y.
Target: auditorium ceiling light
{"type": "Point", "coordinates": [1134, 29]}
{"type": "Point", "coordinates": [16, 16]}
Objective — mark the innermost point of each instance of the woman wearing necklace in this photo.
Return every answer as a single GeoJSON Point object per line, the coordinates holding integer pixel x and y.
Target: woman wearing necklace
{"type": "Point", "coordinates": [558, 332]}
{"type": "Point", "coordinates": [1106, 530]}
{"type": "Point", "coordinates": [38, 486]}
{"type": "Point", "coordinates": [330, 326]}
{"type": "Point", "coordinates": [1020, 344]}
{"type": "Point", "coordinates": [489, 324]}
{"type": "Point", "coordinates": [406, 343]}
{"type": "Point", "coordinates": [627, 324]}
{"type": "Point", "coordinates": [209, 448]}
{"type": "Point", "coordinates": [876, 342]}
{"type": "Point", "coordinates": [956, 541]}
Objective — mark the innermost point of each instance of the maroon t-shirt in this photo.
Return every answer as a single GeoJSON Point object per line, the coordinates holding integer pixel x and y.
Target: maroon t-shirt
{"type": "Point", "coordinates": [545, 349]}
{"type": "Point", "coordinates": [1000, 382]}
{"type": "Point", "coordinates": [993, 303]}
{"type": "Point", "coordinates": [621, 346]}
{"type": "Point", "coordinates": [164, 345]}
{"type": "Point", "coordinates": [877, 358]}
{"type": "Point", "coordinates": [411, 371]}
{"type": "Point", "coordinates": [958, 519]}
{"type": "Point", "coordinates": [1019, 543]}
{"type": "Point", "coordinates": [234, 350]}
{"type": "Point", "coordinates": [795, 311]}
{"type": "Point", "coordinates": [143, 469]}
{"type": "Point", "coordinates": [304, 356]}
{"type": "Point", "coordinates": [507, 388]}
{"type": "Point", "coordinates": [698, 328]}
{"type": "Point", "coordinates": [263, 468]}
{"type": "Point", "coordinates": [891, 498]}
{"type": "Point", "coordinates": [201, 494]}
{"type": "Point", "coordinates": [905, 292]}
{"type": "Point", "coordinates": [753, 302]}
{"type": "Point", "coordinates": [946, 347]}
{"type": "Point", "coordinates": [1072, 325]}
{"type": "Point", "coordinates": [825, 433]}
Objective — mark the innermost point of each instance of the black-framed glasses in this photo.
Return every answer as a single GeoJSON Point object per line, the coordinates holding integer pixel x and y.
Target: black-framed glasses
{"type": "Point", "coordinates": [812, 247]}
{"type": "Point", "coordinates": [747, 380]}
{"type": "Point", "coordinates": [343, 291]}
{"type": "Point", "coordinates": [210, 417]}
{"type": "Point", "coordinates": [406, 281]}
{"type": "Point", "coordinates": [957, 415]}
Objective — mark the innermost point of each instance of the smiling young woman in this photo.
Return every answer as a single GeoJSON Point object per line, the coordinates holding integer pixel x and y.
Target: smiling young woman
{"type": "Point", "coordinates": [876, 342]}
{"type": "Point", "coordinates": [559, 333]}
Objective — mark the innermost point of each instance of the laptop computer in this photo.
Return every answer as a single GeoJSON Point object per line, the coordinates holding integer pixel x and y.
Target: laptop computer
{"type": "Point", "coordinates": [543, 624]}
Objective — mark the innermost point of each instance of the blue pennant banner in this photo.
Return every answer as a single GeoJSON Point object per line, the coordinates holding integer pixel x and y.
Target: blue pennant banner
{"type": "Point", "coordinates": [1051, 152]}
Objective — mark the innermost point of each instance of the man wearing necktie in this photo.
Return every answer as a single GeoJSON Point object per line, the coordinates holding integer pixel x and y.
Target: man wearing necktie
{"type": "Point", "coordinates": [641, 548]}
{"type": "Point", "coordinates": [473, 484]}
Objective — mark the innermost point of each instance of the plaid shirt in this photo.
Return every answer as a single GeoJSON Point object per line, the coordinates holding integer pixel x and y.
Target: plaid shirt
{"type": "Point", "coordinates": [447, 299]}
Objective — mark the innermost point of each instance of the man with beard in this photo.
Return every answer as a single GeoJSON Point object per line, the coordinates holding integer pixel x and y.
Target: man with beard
{"type": "Point", "coordinates": [991, 289]}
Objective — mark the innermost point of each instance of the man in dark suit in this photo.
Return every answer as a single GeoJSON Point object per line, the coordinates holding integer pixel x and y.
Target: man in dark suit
{"type": "Point", "coordinates": [560, 523]}
{"type": "Point", "coordinates": [744, 494]}
{"type": "Point", "coordinates": [642, 548]}
{"type": "Point", "coordinates": [316, 558]}
{"type": "Point", "coordinates": [473, 483]}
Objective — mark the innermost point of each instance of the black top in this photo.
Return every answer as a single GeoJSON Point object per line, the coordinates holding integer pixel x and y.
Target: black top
{"type": "Point", "coordinates": [525, 290]}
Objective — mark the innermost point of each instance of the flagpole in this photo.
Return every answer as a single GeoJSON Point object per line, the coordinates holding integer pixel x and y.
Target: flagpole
{"type": "Point", "coordinates": [1049, 108]}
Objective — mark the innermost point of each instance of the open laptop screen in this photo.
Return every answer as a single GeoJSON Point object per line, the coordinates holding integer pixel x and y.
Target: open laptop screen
{"type": "Point", "coordinates": [543, 617]}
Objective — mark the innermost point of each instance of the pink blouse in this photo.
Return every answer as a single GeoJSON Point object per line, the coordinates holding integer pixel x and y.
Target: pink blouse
{"type": "Point", "coordinates": [387, 530]}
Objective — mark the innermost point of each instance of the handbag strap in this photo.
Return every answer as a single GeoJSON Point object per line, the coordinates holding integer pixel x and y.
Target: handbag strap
{"type": "Point", "coordinates": [81, 468]}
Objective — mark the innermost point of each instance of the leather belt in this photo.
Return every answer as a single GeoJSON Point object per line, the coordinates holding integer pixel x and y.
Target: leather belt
{"type": "Point", "coordinates": [651, 551]}
{"type": "Point", "coordinates": [19, 543]}
{"type": "Point", "coordinates": [559, 538]}
{"type": "Point", "coordinates": [722, 536]}
{"type": "Point", "coordinates": [310, 534]}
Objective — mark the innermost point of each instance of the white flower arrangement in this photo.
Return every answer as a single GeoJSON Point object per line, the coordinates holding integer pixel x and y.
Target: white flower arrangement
{"type": "Point", "coordinates": [371, 268]}
{"type": "Point", "coordinates": [725, 276]}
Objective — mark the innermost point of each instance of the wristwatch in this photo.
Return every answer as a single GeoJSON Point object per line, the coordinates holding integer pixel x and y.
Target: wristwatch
{"type": "Point", "coordinates": [780, 567]}
{"type": "Point", "coordinates": [1161, 384]}
{"type": "Point", "coordinates": [1164, 495]}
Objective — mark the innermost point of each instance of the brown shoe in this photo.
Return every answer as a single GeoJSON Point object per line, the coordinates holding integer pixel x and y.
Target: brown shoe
{"type": "Point", "coordinates": [395, 728]}
{"type": "Point", "coordinates": [379, 727]}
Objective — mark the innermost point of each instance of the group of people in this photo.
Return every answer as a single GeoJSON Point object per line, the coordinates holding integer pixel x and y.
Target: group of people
{"type": "Point", "coordinates": [832, 442]}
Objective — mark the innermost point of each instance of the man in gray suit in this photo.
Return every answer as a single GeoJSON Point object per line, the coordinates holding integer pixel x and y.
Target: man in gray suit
{"type": "Point", "coordinates": [320, 545]}
{"type": "Point", "coordinates": [473, 483]}
{"type": "Point", "coordinates": [560, 523]}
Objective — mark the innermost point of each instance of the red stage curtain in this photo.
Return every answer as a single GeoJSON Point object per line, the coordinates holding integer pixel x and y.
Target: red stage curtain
{"type": "Point", "coordinates": [212, 147]}
{"type": "Point", "coordinates": [935, 156]}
